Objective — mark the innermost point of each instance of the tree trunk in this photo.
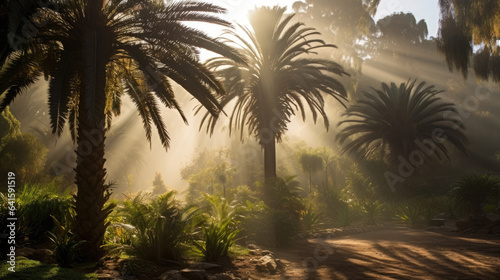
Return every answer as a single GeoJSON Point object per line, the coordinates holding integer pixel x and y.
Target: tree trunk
{"type": "Point", "coordinates": [92, 194]}
{"type": "Point", "coordinates": [270, 161]}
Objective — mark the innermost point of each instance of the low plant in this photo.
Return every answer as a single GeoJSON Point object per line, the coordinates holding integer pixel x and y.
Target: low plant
{"type": "Point", "coordinates": [218, 238]}
{"type": "Point", "coordinates": [410, 211]}
{"type": "Point", "coordinates": [371, 210]}
{"type": "Point", "coordinates": [67, 249]}
{"type": "Point", "coordinates": [162, 226]}
{"type": "Point", "coordinates": [310, 219]}
{"type": "Point", "coordinates": [37, 203]}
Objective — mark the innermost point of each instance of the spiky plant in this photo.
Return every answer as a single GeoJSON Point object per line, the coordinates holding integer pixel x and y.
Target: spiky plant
{"type": "Point", "coordinates": [399, 120]}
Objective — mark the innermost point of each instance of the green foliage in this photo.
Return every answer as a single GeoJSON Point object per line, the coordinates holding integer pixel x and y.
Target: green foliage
{"type": "Point", "coordinates": [21, 230]}
{"type": "Point", "coordinates": [9, 125]}
{"type": "Point", "coordinates": [311, 219]}
{"type": "Point", "coordinates": [38, 202]}
{"type": "Point", "coordinates": [347, 213]}
{"type": "Point", "coordinates": [472, 191]}
{"type": "Point", "coordinates": [161, 226]}
{"type": "Point", "coordinates": [20, 153]}
{"type": "Point", "coordinates": [67, 250]}
{"type": "Point", "coordinates": [218, 238]}
{"type": "Point", "coordinates": [372, 209]}
{"type": "Point", "coordinates": [285, 205]}
{"type": "Point", "coordinates": [210, 172]}
{"type": "Point", "coordinates": [401, 29]}
{"type": "Point", "coordinates": [411, 211]}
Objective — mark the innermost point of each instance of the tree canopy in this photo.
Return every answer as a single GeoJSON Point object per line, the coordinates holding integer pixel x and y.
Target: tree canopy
{"type": "Point", "coordinates": [468, 36]}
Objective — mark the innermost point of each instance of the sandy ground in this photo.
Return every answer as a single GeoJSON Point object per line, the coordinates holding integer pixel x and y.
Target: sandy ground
{"type": "Point", "coordinates": [392, 253]}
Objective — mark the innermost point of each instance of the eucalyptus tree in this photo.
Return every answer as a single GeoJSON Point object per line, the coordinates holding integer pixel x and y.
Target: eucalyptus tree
{"type": "Point", "coordinates": [93, 52]}
{"type": "Point", "coordinates": [280, 77]}
{"type": "Point", "coordinates": [468, 34]}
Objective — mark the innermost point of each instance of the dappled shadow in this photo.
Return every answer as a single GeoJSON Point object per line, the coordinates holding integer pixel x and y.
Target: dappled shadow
{"type": "Point", "coordinates": [397, 253]}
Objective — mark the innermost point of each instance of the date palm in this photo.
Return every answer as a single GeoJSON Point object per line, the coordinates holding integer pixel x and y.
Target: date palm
{"type": "Point", "coordinates": [399, 120]}
{"type": "Point", "coordinates": [94, 51]}
{"type": "Point", "coordinates": [280, 77]}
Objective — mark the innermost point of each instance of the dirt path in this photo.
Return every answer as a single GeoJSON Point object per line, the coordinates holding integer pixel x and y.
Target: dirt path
{"type": "Point", "coordinates": [394, 253]}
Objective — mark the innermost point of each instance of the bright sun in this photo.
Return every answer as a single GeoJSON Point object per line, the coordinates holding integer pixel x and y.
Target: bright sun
{"type": "Point", "coordinates": [237, 12]}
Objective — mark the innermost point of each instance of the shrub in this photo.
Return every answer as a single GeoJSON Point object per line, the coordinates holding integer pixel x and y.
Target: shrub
{"type": "Point", "coordinates": [67, 249]}
{"type": "Point", "coordinates": [371, 210]}
{"type": "Point", "coordinates": [162, 226]}
{"type": "Point", "coordinates": [310, 219]}
{"type": "Point", "coordinates": [410, 211]}
{"type": "Point", "coordinates": [218, 238]}
{"type": "Point", "coordinates": [36, 205]}
{"type": "Point", "coordinates": [472, 191]}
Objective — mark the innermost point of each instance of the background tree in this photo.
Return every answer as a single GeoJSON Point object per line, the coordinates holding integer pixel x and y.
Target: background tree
{"type": "Point", "coordinates": [95, 51]}
{"type": "Point", "coordinates": [348, 23]}
{"type": "Point", "coordinates": [468, 34]}
{"type": "Point", "coordinates": [310, 163]}
{"type": "Point", "coordinates": [279, 78]}
{"type": "Point", "coordinates": [159, 186]}
{"type": "Point", "coordinates": [20, 153]}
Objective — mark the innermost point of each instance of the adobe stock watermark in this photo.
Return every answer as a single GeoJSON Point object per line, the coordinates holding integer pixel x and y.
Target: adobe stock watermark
{"type": "Point", "coordinates": [427, 147]}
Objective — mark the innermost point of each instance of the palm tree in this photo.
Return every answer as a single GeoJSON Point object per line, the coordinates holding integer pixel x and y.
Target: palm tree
{"type": "Point", "coordinates": [310, 163]}
{"type": "Point", "coordinates": [401, 120]}
{"type": "Point", "coordinates": [94, 51]}
{"type": "Point", "coordinates": [278, 79]}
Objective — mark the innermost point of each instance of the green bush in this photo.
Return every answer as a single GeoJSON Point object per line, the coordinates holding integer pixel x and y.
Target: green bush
{"type": "Point", "coordinates": [162, 226]}
{"type": "Point", "coordinates": [310, 219]}
{"type": "Point", "coordinates": [67, 249]}
{"type": "Point", "coordinates": [37, 203]}
{"type": "Point", "coordinates": [347, 213]}
{"type": "Point", "coordinates": [411, 211]}
{"type": "Point", "coordinates": [218, 238]}
{"type": "Point", "coordinates": [372, 210]}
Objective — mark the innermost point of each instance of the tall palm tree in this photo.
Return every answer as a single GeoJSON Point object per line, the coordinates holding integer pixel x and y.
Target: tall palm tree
{"type": "Point", "coordinates": [279, 78]}
{"type": "Point", "coordinates": [94, 51]}
{"type": "Point", "coordinates": [400, 120]}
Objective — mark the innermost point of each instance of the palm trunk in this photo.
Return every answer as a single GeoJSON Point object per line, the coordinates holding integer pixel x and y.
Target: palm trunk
{"type": "Point", "coordinates": [90, 172]}
{"type": "Point", "coordinates": [270, 161]}
{"type": "Point", "coordinates": [90, 176]}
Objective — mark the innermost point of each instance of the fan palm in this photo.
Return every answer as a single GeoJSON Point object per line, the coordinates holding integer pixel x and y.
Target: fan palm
{"type": "Point", "coordinates": [400, 120]}
{"type": "Point", "coordinates": [278, 79]}
{"type": "Point", "coordinates": [93, 52]}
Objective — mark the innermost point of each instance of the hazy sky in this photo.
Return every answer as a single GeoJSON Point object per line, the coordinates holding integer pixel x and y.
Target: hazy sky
{"type": "Point", "coordinates": [422, 9]}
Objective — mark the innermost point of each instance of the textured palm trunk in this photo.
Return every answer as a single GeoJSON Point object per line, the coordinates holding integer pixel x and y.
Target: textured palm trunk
{"type": "Point", "coordinates": [90, 172]}
{"type": "Point", "coordinates": [90, 175]}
